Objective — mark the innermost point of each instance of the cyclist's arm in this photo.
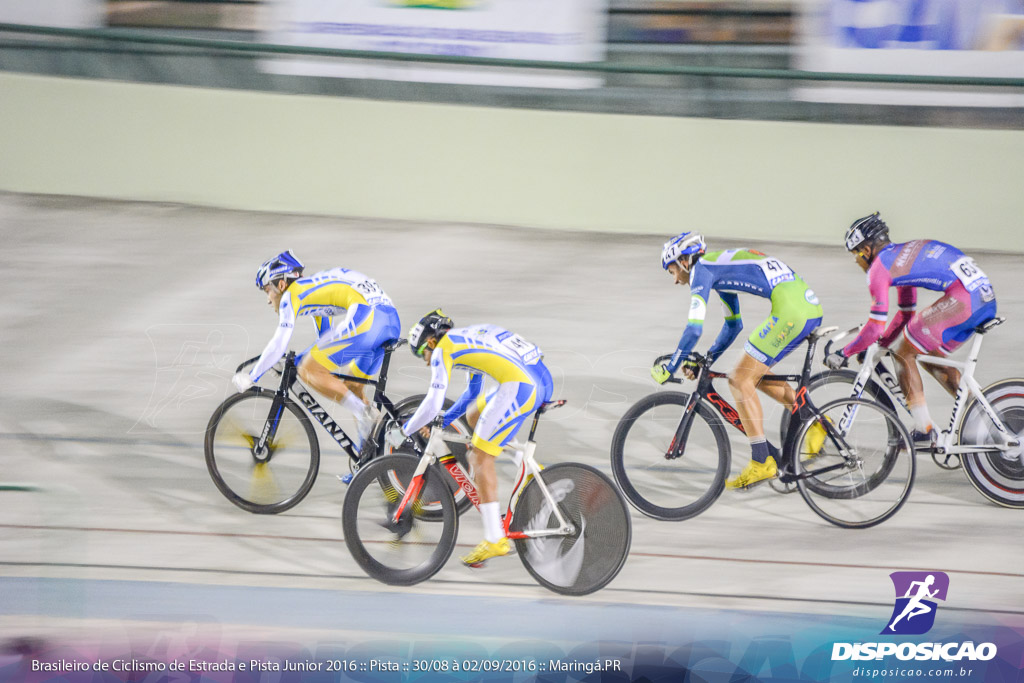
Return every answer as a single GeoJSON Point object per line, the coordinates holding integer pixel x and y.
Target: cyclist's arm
{"type": "Point", "coordinates": [694, 328]}
{"type": "Point", "coordinates": [879, 281]}
{"type": "Point", "coordinates": [433, 402]}
{"type": "Point", "coordinates": [279, 342]}
{"type": "Point", "coordinates": [476, 383]}
{"type": "Point", "coordinates": [906, 298]}
{"type": "Point", "coordinates": [731, 328]}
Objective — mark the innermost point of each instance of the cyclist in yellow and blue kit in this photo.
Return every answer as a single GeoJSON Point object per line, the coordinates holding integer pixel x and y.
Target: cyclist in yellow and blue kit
{"type": "Point", "coordinates": [524, 385]}
{"type": "Point", "coordinates": [351, 345]}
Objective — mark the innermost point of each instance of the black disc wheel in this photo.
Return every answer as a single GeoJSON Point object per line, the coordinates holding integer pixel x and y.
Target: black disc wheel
{"type": "Point", "coordinates": [266, 482]}
{"type": "Point", "coordinates": [407, 550]}
{"type": "Point", "coordinates": [591, 553]}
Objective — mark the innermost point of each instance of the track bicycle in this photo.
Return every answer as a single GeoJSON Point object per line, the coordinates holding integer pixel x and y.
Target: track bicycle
{"type": "Point", "coordinates": [263, 453]}
{"type": "Point", "coordinates": [851, 459]}
{"type": "Point", "coordinates": [985, 425]}
{"type": "Point", "coordinates": [570, 526]}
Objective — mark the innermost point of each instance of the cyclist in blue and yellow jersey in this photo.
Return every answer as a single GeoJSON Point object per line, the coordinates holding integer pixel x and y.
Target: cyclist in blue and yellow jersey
{"type": "Point", "coordinates": [524, 385]}
{"type": "Point", "coordinates": [795, 313]}
{"type": "Point", "coordinates": [354, 319]}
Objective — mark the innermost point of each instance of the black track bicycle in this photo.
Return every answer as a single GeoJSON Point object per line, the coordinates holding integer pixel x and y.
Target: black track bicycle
{"type": "Point", "coordinates": [263, 453]}
{"type": "Point", "coordinates": [851, 459]}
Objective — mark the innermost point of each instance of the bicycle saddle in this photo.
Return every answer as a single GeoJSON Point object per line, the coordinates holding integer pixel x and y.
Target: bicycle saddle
{"type": "Point", "coordinates": [394, 344]}
{"type": "Point", "coordinates": [551, 405]}
{"type": "Point", "coordinates": [819, 332]}
{"type": "Point", "coordinates": [989, 324]}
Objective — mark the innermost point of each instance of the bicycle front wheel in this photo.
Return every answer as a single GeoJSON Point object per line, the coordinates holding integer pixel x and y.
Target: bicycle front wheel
{"type": "Point", "coordinates": [997, 476]}
{"type": "Point", "coordinates": [389, 430]}
{"type": "Point", "coordinates": [863, 472]}
{"type": "Point", "coordinates": [593, 554]}
{"type": "Point", "coordinates": [833, 384]}
{"type": "Point", "coordinates": [266, 483]}
{"type": "Point", "coordinates": [669, 470]}
{"type": "Point", "coordinates": [408, 551]}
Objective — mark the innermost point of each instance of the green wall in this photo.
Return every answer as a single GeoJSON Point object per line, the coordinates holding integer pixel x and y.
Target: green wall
{"type": "Point", "coordinates": [268, 152]}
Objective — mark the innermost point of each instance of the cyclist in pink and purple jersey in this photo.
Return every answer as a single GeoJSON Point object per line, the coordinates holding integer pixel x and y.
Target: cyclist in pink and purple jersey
{"type": "Point", "coordinates": [967, 301]}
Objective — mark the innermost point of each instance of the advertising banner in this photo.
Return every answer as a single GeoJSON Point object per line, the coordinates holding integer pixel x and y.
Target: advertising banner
{"type": "Point", "coordinates": [60, 13]}
{"type": "Point", "coordinates": [562, 30]}
{"type": "Point", "coordinates": [979, 38]}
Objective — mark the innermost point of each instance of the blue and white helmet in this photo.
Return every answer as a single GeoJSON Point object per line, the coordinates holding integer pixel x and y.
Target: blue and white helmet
{"type": "Point", "coordinates": [684, 244]}
{"type": "Point", "coordinates": [283, 265]}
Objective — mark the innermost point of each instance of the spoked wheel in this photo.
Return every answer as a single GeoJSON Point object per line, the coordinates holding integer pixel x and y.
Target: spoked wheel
{"type": "Point", "coordinates": [997, 476]}
{"type": "Point", "coordinates": [668, 470]}
{"type": "Point", "coordinates": [835, 384]}
{"type": "Point", "coordinates": [407, 551]}
{"type": "Point", "coordinates": [863, 472]}
{"type": "Point", "coordinates": [268, 482]}
{"type": "Point", "coordinates": [586, 559]}
{"type": "Point", "coordinates": [389, 431]}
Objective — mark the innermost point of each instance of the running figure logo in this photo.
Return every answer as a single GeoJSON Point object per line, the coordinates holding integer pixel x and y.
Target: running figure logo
{"type": "Point", "coordinates": [916, 592]}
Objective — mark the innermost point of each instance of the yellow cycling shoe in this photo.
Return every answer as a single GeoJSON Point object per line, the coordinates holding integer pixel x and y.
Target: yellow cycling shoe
{"type": "Point", "coordinates": [815, 439]}
{"type": "Point", "coordinates": [754, 473]}
{"type": "Point", "coordinates": [485, 551]}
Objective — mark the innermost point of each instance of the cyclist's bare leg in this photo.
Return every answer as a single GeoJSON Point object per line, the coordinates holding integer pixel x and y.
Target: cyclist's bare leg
{"type": "Point", "coordinates": [321, 379]}
{"type": "Point", "coordinates": [485, 475]}
{"type": "Point", "coordinates": [783, 392]}
{"type": "Point", "coordinates": [949, 378]}
{"type": "Point", "coordinates": [906, 355]}
{"type": "Point", "coordinates": [743, 382]}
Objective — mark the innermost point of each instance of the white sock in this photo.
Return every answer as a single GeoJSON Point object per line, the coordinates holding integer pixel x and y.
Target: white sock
{"type": "Point", "coordinates": [491, 513]}
{"type": "Point", "coordinates": [353, 403]}
{"type": "Point", "coordinates": [922, 420]}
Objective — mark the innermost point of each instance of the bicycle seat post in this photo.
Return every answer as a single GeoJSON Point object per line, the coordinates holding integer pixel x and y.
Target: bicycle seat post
{"type": "Point", "coordinates": [290, 374]}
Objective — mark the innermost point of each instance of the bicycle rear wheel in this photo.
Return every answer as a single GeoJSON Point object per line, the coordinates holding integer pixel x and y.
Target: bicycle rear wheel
{"type": "Point", "coordinates": [997, 476]}
{"type": "Point", "coordinates": [661, 481]}
{"type": "Point", "coordinates": [864, 471]}
{"type": "Point", "coordinates": [411, 550]}
{"type": "Point", "coordinates": [275, 481]}
{"type": "Point", "coordinates": [593, 555]}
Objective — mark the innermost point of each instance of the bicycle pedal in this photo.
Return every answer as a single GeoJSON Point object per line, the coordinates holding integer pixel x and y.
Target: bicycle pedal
{"type": "Point", "coordinates": [345, 478]}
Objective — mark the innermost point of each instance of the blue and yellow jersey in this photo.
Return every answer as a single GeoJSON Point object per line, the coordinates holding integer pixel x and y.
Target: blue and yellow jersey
{"type": "Point", "coordinates": [324, 296]}
{"type": "Point", "coordinates": [480, 350]}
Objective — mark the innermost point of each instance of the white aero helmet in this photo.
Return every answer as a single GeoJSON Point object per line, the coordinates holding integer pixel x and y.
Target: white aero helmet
{"type": "Point", "coordinates": [683, 244]}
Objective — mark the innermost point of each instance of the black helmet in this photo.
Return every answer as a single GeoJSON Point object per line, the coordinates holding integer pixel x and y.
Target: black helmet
{"type": "Point", "coordinates": [433, 324]}
{"type": "Point", "coordinates": [867, 230]}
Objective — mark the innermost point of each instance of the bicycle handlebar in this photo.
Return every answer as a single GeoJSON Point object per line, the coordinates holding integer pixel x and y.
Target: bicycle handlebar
{"type": "Point", "coordinates": [700, 360]}
{"type": "Point", "coordinates": [841, 335]}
